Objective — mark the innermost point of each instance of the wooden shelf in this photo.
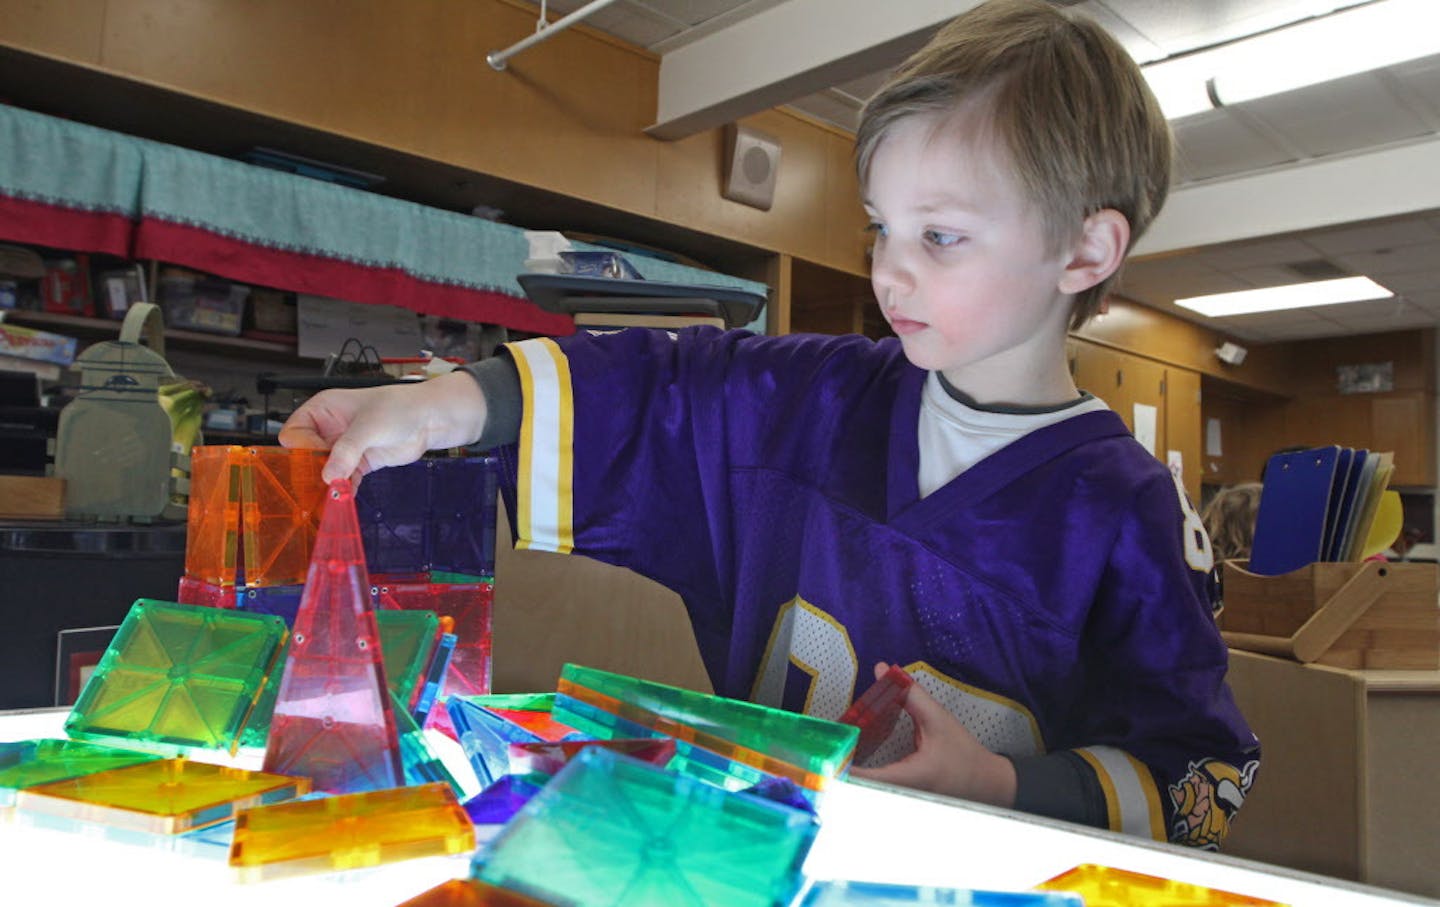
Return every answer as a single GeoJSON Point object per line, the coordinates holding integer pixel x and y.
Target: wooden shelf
{"type": "Point", "coordinates": [105, 327]}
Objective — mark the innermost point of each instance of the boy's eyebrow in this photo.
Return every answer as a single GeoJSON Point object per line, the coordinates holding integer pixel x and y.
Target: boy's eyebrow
{"type": "Point", "coordinates": [940, 202]}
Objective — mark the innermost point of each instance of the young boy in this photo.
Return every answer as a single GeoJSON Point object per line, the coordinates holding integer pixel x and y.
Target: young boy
{"type": "Point", "coordinates": [949, 501]}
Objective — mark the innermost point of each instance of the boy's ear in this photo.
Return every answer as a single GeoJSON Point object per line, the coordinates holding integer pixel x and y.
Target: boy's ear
{"type": "Point", "coordinates": [1098, 252]}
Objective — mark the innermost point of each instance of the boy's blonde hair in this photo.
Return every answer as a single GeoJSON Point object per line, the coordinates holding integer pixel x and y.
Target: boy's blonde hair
{"type": "Point", "coordinates": [1070, 107]}
{"type": "Point", "coordinates": [1229, 520]}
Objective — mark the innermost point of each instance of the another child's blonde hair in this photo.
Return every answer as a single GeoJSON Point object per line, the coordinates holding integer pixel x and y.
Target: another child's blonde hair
{"type": "Point", "coordinates": [1070, 106]}
{"type": "Point", "coordinates": [1229, 520]}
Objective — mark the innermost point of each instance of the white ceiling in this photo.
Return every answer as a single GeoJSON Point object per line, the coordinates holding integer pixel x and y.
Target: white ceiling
{"type": "Point", "coordinates": [1255, 183]}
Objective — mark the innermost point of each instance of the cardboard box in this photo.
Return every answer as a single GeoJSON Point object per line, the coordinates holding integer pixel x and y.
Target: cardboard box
{"type": "Point", "coordinates": [41, 346]}
{"type": "Point", "coordinates": [1373, 614]}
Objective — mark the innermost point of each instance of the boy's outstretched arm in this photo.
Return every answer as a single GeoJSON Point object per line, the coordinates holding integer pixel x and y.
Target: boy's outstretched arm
{"type": "Point", "coordinates": [947, 758]}
{"type": "Point", "coordinates": [372, 428]}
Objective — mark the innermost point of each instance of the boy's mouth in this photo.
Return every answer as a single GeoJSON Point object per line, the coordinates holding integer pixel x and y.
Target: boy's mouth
{"type": "Point", "coordinates": [903, 326]}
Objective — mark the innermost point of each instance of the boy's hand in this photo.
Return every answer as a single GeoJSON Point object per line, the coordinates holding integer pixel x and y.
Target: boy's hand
{"type": "Point", "coordinates": [369, 429]}
{"type": "Point", "coordinates": [947, 759]}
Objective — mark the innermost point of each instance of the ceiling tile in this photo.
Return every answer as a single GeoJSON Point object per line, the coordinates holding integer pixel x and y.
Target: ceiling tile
{"type": "Point", "coordinates": [1180, 27]}
{"type": "Point", "coordinates": [1215, 144]}
{"type": "Point", "coordinates": [1339, 115]}
{"type": "Point", "coordinates": [634, 23]}
{"type": "Point", "coordinates": [1167, 279]}
{"type": "Point", "coordinates": [1385, 234]}
{"type": "Point", "coordinates": [1421, 80]}
{"type": "Point", "coordinates": [824, 105]}
{"type": "Point", "coordinates": [694, 12]}
{"type": "Point", "coordinates": [1399, 259]}
{"type": "Point", "coordinates": [1257, 253]}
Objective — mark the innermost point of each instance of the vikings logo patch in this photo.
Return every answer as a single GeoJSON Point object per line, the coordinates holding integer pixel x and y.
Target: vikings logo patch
{"type": "Point", "coordinates": [1207, 799]}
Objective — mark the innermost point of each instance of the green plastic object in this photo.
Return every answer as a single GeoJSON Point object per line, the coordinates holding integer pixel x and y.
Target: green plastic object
{"type": "Point", "coordinates": [807, 750]}
{"type": "Point", "coordinates": [613, 830]}
{"type": "Point", "coordinates": [518, 702]}
{"type": "Point", "coordinates": [407, 643]}
{"type": "Point", "coordinates": [26, 763]}
{"type": "Point", "coordinates": [179, 676]}
{"type": "Point", "coordinates": [417, 757]}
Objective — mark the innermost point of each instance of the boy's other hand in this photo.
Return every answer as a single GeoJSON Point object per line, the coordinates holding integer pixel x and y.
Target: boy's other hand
{"type": "Point", "coordinates": [370, 429]}
{"type": "Point", "coordinates": [947, 759]}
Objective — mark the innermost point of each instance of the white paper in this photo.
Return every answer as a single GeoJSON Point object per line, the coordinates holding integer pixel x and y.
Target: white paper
{"type": "Point", "coordinates": [325, 325]}
{"type": "Point", "coordinates": [1176, 461]}
{"type": "Point", "coordinates": [1212, 437]}
{"type": "Point", "coordinates": [1145, 426]}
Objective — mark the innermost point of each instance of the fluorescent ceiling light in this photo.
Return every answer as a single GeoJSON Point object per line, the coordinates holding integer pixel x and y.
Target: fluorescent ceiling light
{"type": "Point", "coordinates": [1294, 296]}
{"type": "Point", "coordinates": [1358, 39]}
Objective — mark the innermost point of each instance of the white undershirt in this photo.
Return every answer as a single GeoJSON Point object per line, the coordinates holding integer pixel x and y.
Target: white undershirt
{"type": "Point", "coordinates": [954, 436]}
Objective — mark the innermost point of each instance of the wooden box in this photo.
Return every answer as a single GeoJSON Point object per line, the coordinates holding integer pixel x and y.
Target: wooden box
{"type": "Point", "coordinates": [1373, 614]}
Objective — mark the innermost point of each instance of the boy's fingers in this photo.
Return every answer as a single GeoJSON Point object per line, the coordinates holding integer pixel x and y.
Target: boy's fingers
{"type": "Point", "coordinates": [301, 436]}
{"type": "Point", "coordinates": [344, 463]}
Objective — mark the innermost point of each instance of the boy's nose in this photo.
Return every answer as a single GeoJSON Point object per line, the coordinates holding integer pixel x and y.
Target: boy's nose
{"type": "Point", "coordinates": [889, 274]}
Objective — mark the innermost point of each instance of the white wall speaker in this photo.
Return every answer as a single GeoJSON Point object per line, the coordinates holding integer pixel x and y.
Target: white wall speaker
{"type": "Point", "coordinates": [752, 160]}
{"type": "Point", "coordinates": [1231, 353]}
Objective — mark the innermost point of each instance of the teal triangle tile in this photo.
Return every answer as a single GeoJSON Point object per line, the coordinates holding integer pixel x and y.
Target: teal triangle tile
{"type": "Point", "coordinates": [333, 721]}
{"type": "Point", "coordinates": [612, 830]}
{"type": "Point", "coordinates": [814, 745]}
{"type": "Point", "coordinates": [178, 675]}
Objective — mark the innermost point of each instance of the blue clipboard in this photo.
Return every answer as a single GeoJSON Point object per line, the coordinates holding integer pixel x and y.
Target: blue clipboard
{"type": "Point", "coordinates": [1294, 506]}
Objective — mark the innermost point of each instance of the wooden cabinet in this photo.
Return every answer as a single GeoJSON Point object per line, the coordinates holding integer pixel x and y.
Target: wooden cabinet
{"type": "Point", "coordinates": [1345, 785]}
{"type": "Point", "coordinates": [1124, 380]}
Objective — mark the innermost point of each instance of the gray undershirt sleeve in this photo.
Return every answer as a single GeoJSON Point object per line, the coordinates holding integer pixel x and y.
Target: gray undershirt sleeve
{"type": "Point", "coordinates": [499, 381]}
{"type": "Point", "coordinates": [1060, 785]}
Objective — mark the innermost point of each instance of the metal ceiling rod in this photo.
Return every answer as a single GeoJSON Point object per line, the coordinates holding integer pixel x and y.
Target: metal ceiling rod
{"type": "Point", "coordinates": [544, 30]}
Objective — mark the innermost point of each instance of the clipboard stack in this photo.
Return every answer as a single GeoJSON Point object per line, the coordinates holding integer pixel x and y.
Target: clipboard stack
{"type": "Point", "coordinates": [1306, 593]}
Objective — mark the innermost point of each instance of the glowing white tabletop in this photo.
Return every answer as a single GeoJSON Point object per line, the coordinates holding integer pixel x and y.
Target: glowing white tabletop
{"type": "Point", "coordinates": [867, 832]}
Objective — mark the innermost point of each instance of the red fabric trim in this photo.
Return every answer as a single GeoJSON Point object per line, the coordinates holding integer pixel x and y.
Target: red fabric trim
{"type": "Point", "coordinates": [43, 224]}
{"type": "Point", "coordinates": [305, 273]}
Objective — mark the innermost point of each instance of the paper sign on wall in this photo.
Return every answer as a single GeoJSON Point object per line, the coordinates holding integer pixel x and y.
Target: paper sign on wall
{"type": "Point", "coordinates": [1145, 417]}
{"type": "Point", "coordinates": [1212, 438]}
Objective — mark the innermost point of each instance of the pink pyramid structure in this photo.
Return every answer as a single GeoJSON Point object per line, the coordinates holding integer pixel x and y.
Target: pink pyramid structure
{"type": "Point", "coordinates": [333, 721]}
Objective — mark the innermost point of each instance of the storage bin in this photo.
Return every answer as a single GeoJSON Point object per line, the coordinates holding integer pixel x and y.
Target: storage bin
{"type": "Point", "coordinates": [1374, 614]}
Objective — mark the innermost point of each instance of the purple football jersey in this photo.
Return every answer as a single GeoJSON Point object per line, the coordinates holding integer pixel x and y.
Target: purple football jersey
{"type": "Point", "coordinates": [1055, 596]}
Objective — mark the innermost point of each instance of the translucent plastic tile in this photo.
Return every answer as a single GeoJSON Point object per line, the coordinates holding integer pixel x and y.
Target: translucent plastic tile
{"type": "Point", "coordinates": [282, 601]}
{"type": "Point", "coordinates": [180, 675]}
{"type": "Point", "coordinates": [350, 831]}
{"type": "Point", "coordinates": [282, 496]}
{"type": "Point", "coordinates": [403, 650]}
{"type": "Point", "coordinates": [469, 605]}
{"type": "Point", "coordinates": [1103, 886]}
{"type": "Point", "coordinates": [26, 763]}
{"type": "Point", "coordinates": [430, 685]}
{"type": "Point", "coordinates": [471, 893]}
{"type": "Point", "coordinates": [434, 514]}
{"type": "Point", "coordinates": [194, 591]}
{"type": "Point", "coordinates": [805, 749]}
{"type": "Point", "coordinates": [485, 734]}
{"type": "Point", "coordinates": [333, 721]}
{"type": "Point", "coordinates": [212, 532]}
{"type": "Point", "coordinates": [876, 712]}
{"type": "Point", "coordinates": [165, 797]}
{"type": "Point", "coordinates": [611, 830]}
{"type": "Point", "coordinates": [407, 641]}
{"type": "Point", "coordinates": [499, 802]}
{"type": "Point", "coordinates": [548, 758]}
{"type": "Point", "coordinates": [838, 894]}
{"type": "Point", "coordinates": [417, 759]}
{"type": "Point", "coordinates": [690, 760]}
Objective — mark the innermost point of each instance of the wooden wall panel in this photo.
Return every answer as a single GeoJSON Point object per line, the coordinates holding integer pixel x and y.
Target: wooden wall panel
{"type": "Point", "coordinates": [1183, 431]}
{"type": "Point", "coordinates": [846, 240]}
{"type": "Point", "coordinates": [70, 29]}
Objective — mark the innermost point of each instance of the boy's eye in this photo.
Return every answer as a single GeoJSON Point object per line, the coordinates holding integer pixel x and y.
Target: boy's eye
{"type": "Point", "coordinates": [877, 228]}
{"type": "Point", "coordinates": [943, 239]}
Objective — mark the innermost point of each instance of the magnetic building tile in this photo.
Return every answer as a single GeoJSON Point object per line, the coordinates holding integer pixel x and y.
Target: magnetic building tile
{"type": "Point", "coordinates": [27, 763]}
{"type": "Point", "coordinates": [611, 830]}
{"type": "Point", "coordinates": [179, 675]}
{"type": "Point", "coordinates": [876, 712]}
{"type": "Point", "coordinates": [805, 749]}
{"type": "Point", "coordinates": [166, 797]}
{"type": "Point", "coordinates": [333, 721]}
{"type": "Point", "coordinates": [350, 831]}
{"type": "Point", "coordinates": [281, 501]}
{"type": "Point", "coordinates": [471, 893]}
{"type": "Point", "coordinates": [212, 532]}
{"type": "Point", "coordinates": [548, 758]}
{"type": "Point", "coordinates": [838, 894]}
{"type": "Point", "coordinates": [690, 759]}
{"type": "Point", "coordinates": [1105, 886]}
{"type": "Point", "coordinates": [433, 514]}
{"type": "Point", "coordinates": [469, 605]}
